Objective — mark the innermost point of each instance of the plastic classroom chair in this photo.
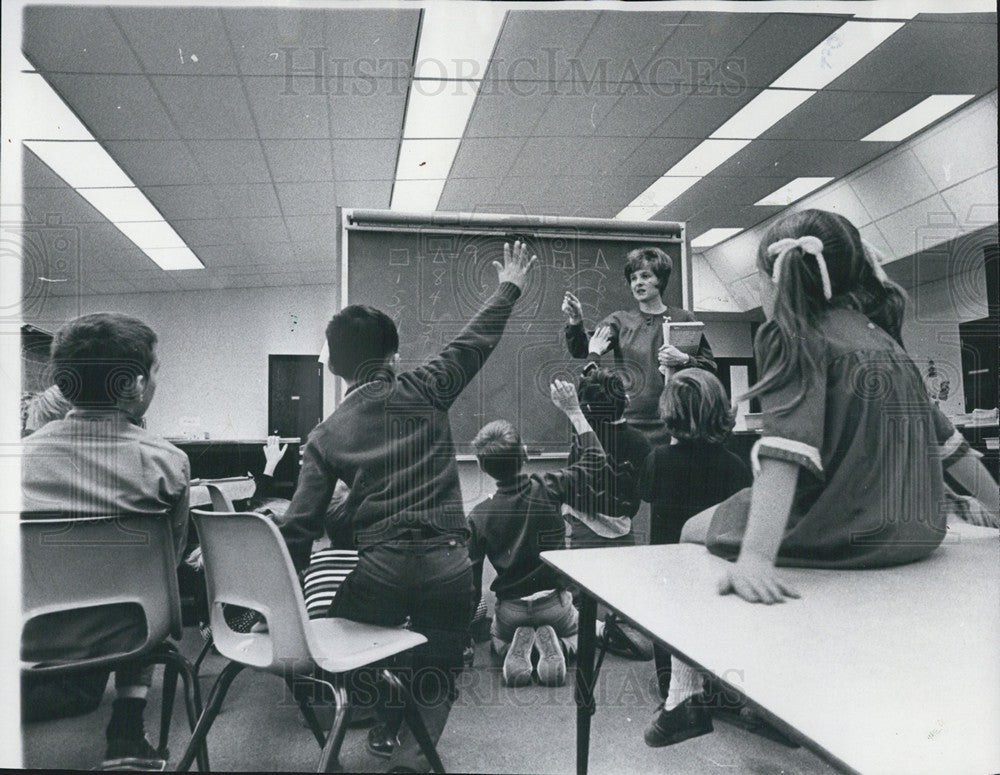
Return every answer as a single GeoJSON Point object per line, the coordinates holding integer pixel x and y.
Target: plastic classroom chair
{"type": "Point", "coordinates": [70, 564]}
{"type": "Point", "coordinates": [247, 564]}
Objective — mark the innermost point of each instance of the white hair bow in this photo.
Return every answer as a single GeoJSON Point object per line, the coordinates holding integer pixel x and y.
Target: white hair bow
{"type": "Point", "coordinates": [875, 259]}
{"type": "Point", "coordinates": [807, 244]}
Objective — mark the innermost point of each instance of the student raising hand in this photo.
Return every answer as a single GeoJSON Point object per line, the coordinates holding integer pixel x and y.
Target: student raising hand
{"type": "Point", "coordinates": [564, 396]}
{"type": "Point", "coordinates": [516, 264]}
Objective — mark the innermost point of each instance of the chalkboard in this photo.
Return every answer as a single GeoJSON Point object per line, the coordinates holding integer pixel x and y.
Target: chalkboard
{"type": "Point", "coordinates": [432, 272]}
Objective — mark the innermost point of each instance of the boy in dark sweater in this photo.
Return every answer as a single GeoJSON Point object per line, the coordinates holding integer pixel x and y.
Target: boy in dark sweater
{"type": "Point", "coordinates": [512, 527]}
{"type": "Point", "coordinates": [390, 441]}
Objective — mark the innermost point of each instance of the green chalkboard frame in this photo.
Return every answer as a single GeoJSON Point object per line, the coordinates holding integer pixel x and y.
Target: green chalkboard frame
{"type": "Point", "coordinates": [543, 430]}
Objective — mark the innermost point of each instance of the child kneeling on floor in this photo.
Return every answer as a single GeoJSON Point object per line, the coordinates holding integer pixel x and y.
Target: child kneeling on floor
{"type": "Point", "coordinates": [512, 527]}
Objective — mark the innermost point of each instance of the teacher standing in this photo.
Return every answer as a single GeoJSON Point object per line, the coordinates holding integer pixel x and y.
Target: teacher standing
{"type": "Point", "coordinates": [635, 339]}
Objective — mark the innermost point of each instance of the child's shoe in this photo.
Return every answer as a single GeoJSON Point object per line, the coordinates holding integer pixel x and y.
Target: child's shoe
{"type": "Point", "coordinates": [689, 719]}
{"type": "Point", "coordinates": [135, 754]}
{"type": "Point", "coordinates": [517, 663]}
{"type": "Point", "coordinates": [381, 742]}
{"type": "Point", "coordinates": [551, 661]}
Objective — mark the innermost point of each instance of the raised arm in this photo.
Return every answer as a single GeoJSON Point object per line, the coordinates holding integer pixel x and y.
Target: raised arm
{"type": "Point", "coordinates": [582, 473]}
{"type": "Point", "coordinates": [445, 376]}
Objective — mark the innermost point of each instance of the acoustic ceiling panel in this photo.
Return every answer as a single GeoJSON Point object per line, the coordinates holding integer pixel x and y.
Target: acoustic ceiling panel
{"type": "Point", "coordinates": [231, 161]}
{"type": "Point", "coordinates": [364, 159]}
{"type": "Point", "coordinates": [177, 41]}
{"type": "Point", "coordinates": [536, 46]}
{"type": "Point", "coordinates": [156, 162]}
{"type": "Point", "coordinates": [308, 198]}
{"type": "Point", "coordinates": [206, 231]}
{"type": "Point", "coordinates": [292, 161]}
{"type": "Point", "coordinates": [115, 107]}
{"type": "Point", "coordinates": [76, 40]}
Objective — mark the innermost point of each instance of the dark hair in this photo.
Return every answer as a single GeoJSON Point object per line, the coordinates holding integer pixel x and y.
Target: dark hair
{"type": "Point", "coordinates": [96, 359]}
{"type": "Point", "coordinates": [783, 343]}
{"type": "Point", "coordinates": [602, 395]}
{"type": "Point", "coordinates": [694, 405]}
{"type": "Point", "coordinates": [498, 447]}
{"type": "Point", "coordinates": [360, 338]}
{"type": "Point", "coordinates": [659, 263]}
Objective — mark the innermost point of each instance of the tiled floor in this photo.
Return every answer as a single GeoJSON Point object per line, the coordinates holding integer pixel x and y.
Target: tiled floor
{"type": "Point", "coordinates": [492, 729]}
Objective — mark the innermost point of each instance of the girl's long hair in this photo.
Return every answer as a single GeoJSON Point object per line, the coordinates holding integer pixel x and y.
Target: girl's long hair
{"type": "Point", "coordinates": [787, 344]}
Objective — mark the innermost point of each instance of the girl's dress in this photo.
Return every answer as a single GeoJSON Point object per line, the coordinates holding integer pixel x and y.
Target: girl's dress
{"type": "Point", "coordinates": [870, 447]}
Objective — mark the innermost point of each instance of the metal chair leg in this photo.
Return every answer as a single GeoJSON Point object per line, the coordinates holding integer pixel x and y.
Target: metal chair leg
{"type": "Point", "coordinates": [192, 700]}
{"type": "Point", "coordinates": [415, 722]}
{"type": "Point", "coordinates": [328, 761]}
{"type": "Point", "coordinates": [167, 705]}
{"type": "Point", "coordinates": [307, 712]}
{"type": "Point", "coordinates": [215, 698]}
{"type": "Point", "coordinates": [202, 654]}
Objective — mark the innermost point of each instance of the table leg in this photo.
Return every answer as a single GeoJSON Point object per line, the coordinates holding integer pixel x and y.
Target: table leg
{"type": "Point", "coordinates": [584, 690]}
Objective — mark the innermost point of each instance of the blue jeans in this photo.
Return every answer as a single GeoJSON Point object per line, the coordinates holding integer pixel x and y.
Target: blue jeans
{"type": "Point", "coordinates": [555, 609]}
{"type": "Point", "coordinates": [428, 581]}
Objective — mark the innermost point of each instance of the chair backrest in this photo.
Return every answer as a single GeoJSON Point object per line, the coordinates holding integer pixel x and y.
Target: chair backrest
{"type": "Point", "coordinates": [70, 566]}
{"type": "Point", "coordinates": [247, 564]}
{"type": "Point", "coordinates": [220, 501]}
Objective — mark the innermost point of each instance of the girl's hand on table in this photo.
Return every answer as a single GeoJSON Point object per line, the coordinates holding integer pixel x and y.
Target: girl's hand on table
{"type": "Point", "coordinates": [756, 581]}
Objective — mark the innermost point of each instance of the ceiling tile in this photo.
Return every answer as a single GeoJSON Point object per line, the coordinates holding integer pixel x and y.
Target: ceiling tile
{"type": "Point", "coordinates": [974, 201]}
{"type": "Point", "coordinates": [364, 193]}
{"type": "Point", "coordinates": [218, 257]}
{"type": "Point", "coordinates": [210, 107]}
{"type": "Point", "coordinates": [261, 35]}
{"type": "Point", "coordinates": [38, 174]}
{"type": "Point", "coordinates": [469, 194]}
{"type": "Point", "coordinates": [266, 230]}
{"type": "Point", "coordinates": [780, 41]}
{"type": "Point", "coordinates": [699, 114]}
{"type": "Point", "coordinates": [906, 230]}
{"type": "Point", "coordinates": [287, 109]}
{"type": "Point", "coordinates": [231, 161]}
{"type": "Point", "coordinates": [294, 161]}
{"type": "Point", "coordinates": [839, 115]}
{"type": "Point", "coordinates": [313, 228]}
{"type": "Point", "coordinates": [375, 112]}
{"type": "Point", "coordinates": [248, 200]}
{"type": "Point", "coordinates": [500, 112]}
{"type": "Point", "coordinates": [955, 57]}
{"type": "Point", "coordinates": [572, 115]}
{"type": "Point", "coordinates": [598, 156]}
{"type": "Point", "coordinates": [655, 156]}
{"type": "Point", "coordinates": [305, 252]}
{"type": "Point", "coordinates": [621, 44]}
{"type": "Point", "coordinates": [178, 41]}
{"type": "Point", "coordinates": [184, 201]}
{"type": "Point", "coordinates": [637, 114]}
{"type": "Point", "coordinates": [536, 45]}
{"type": "Point", "coordinates": [365, 159]}
{"type": "Point", "coordinates": [206, 231]}
{"type": "Point", "coordinates": [959, 148]}
{"type": "Point", "coordinates": [799, 158]}
{"type": "Point", "coordinates": [115, 107]}
{"type": "Point", "coordinates": [479, 157]}
{"type": "Point", "coordinates": [62, 204]}
{"type": "Point", "coordinates": [892, 184]}
{"type": "Point", "coordinates": [161, 162]}
{"type": "Point", "coordinates": [308, 198]}
{"type": "Point", "coordinates": [838, 198]}
{"type": "Point", "coordinates": [81, 40]}
{"type": "Point", "coordinates": [274, 256]}
{"type": "Point", "coordinates": [543, 156]}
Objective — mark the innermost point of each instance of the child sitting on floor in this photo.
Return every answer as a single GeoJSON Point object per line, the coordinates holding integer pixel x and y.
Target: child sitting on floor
{"type": "Point", "coordinates": [512, 527]}
{"type": "Point", "coordinates": [848, 471]}
{"type": "Point", "coordinates": [694, 472]}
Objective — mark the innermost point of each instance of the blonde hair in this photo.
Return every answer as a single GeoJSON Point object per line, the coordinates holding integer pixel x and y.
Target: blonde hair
{"type": "Point", "coordinates": [694, 405]}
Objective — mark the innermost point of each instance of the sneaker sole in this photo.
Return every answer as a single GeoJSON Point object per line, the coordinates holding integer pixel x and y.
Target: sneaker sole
{"type": "Point", "coordinates": [517, 664]}
{"type": "Point", "coordinates": [134, 763]}
{"type": "Point", "coordinates": [551, 662]}
{"type": "Point", "coordinates": [655, 739]}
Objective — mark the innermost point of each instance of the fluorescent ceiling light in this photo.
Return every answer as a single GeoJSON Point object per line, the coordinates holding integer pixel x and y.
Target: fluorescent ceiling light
{"type": "Point", "coordinates": [416, 195]}
{"type": "Point", "coordinates": [847, 45]}
{"type": "Point", "coordinates": [439, 109]}
{"type": "Point", "coordinates": [457, 40]}
{"type": "Point", "coordinates": [662, 192]}
{"type": "Point", "coordinates": [762, 112]}
{"type": "Point", "coordinates": [708, 155]}
{"type": "Point", "coordinates": [45, 115]}
{"type": "Point", "coordinates": [916, 118]}
{"type": "Point", "coordinates": [426, 159]}
{"type": "Point", "coordinates": [80, 164]}
{"type": "Point", "coordinates": [792, 191]}
{"type": "Point", "coordinates": [174, 258]}
{"type": "Point", "coordinates": [121, 205]}
{"type": "Point", "coordinates": [152, 235]}
{"type": "Point", "coordinates": [713, 237]}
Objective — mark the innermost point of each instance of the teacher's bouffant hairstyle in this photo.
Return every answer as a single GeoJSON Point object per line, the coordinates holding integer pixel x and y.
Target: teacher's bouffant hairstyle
{"type": "Point", "coordinates": [659, 263]}
{"type": "Point", "coordinates": [96, 359]}
{"type": "Point", "coordinates": [360, 338]}
{"type": "Point", "coordinates": [694, 405]}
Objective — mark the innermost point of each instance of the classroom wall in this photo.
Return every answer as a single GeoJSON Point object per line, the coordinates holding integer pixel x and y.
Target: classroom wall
{"type": "Point", "coordinates": [213, 348]}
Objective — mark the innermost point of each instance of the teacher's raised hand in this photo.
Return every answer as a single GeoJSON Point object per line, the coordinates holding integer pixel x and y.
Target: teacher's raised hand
{"type": "Point", "coordinates": [516, 264]}
{"type": "Point", "coordinates": [600, 341]}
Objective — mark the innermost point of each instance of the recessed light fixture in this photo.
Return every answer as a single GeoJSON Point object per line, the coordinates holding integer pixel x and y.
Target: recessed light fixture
{"type": "Point", "coordinates": [456, 44]}
{"type": "Point", "coordinates": [713, 237]}
{"type": "Point", "coordinates": [762, 112]}
{"type": "Point", "coordinates": [843, 48]}
{"type": "Point", "coordinates": [792, 191]}
{"type": "Point", "coordinates": [916, 118]}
